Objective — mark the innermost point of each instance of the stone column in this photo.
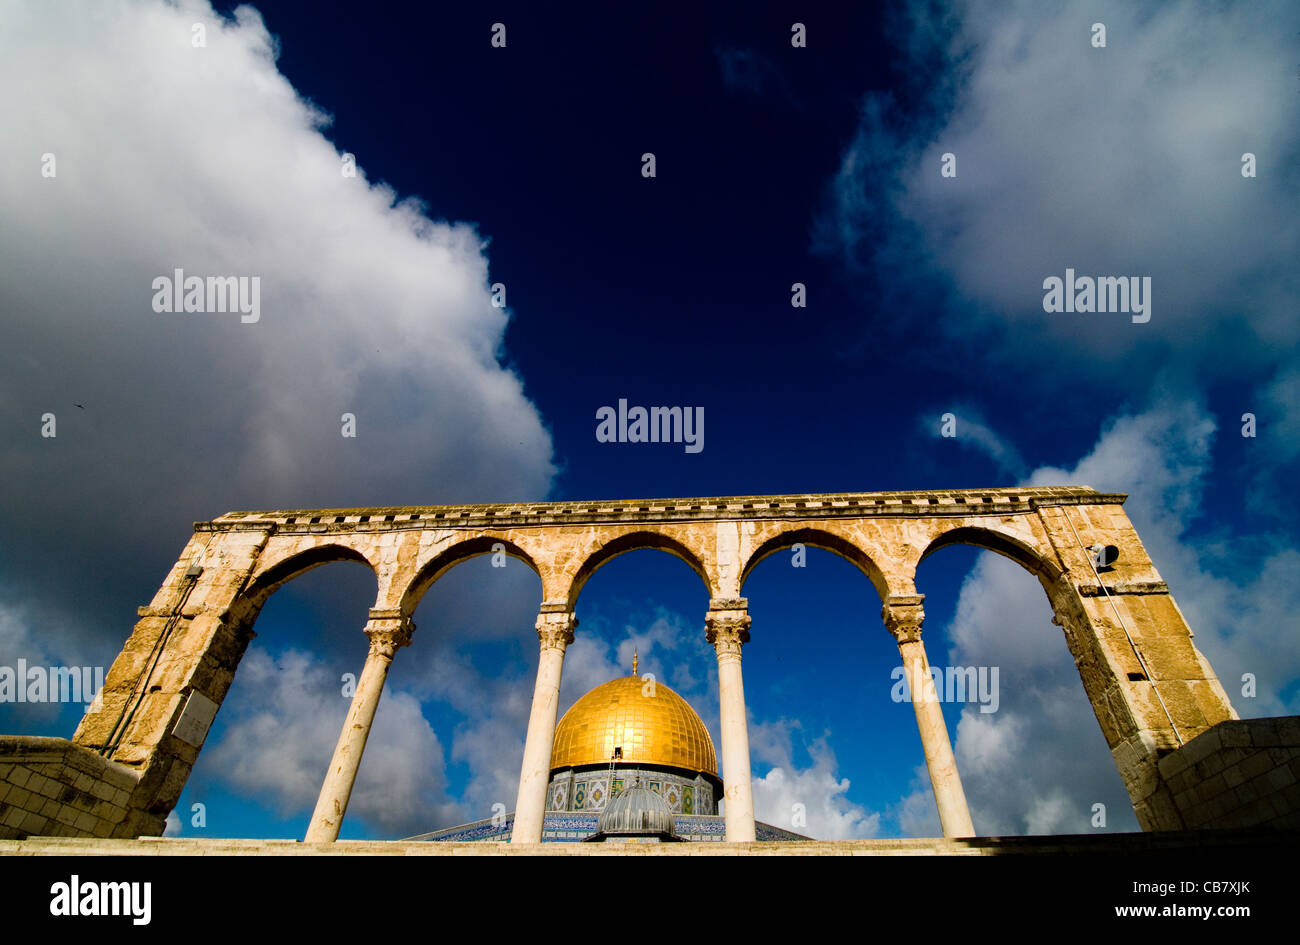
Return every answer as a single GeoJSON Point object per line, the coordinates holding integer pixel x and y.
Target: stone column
{"type": "Point", "coordinates": [555, 626]}
{"type": "Point", "coordinates": [387, 630]}
{"type": "Point", "coordinates": [727, 629]}
{"type": "Point", "coordinates": [903, 617]}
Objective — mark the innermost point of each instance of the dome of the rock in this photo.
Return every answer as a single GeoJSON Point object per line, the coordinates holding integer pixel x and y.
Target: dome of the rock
{"type": "Point", "coordinates": [630, 761]}
{"type": "Point", "coordinates": [647, 720]}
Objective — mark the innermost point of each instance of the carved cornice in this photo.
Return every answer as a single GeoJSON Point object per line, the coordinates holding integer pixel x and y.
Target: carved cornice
{"type": "Point", "coordinates": [1124, 587]}
{"type": "Point", "coordinates": [925, 504]}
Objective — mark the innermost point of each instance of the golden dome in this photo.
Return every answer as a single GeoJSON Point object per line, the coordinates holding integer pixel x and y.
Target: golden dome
{"type": "Point", "coordinates": [661, 729]}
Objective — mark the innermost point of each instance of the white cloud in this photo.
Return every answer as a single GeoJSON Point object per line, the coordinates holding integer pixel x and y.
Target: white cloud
{"type": "Point", "coordinates": [915, 811]}
{"type": "Point", "coordinates": [1239, 592]}
{"type": "Point", "coordinates": [987, 744]}
{"type": "Point", "coordinates": [207, 159]}
{"type": "Point", "coordinates": [1055, 814]}
{"type": "Point", "coordinates": [281, 732]}
{"type": "Point", "coordinates": [971, 429]}
{"type": "Point", "coordinates": [1117, 161]}
{"type": "Point", "coordinates": [812, 801]}
{"type": "Point", "coordinates": [1040, 762]}
{"type": "Point", "coordinates": [1282, 400]}
{"type": "Point", "coordinates": [492, 746]}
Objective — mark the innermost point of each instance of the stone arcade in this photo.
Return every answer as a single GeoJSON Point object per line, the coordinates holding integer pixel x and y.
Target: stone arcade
{"type": "Point", "coordinates": [1150, 688]}
{"type": "Point", "coordinates": [633, 733]}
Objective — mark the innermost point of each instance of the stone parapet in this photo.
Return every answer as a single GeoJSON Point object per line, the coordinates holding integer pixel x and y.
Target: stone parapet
{"type": "Point", "coordinates": [53, 787]}
{"type": "Point", "coordinates": [828, 505]}
{"type": "Point", "coordinates": [1240, 773]}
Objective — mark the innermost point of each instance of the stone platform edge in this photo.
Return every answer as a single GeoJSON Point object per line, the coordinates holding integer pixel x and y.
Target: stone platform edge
{"type": "Point", "coordinates": [1111, 844]}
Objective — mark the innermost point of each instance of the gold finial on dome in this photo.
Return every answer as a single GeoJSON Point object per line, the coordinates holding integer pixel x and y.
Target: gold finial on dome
{"type": "Point", "coordinates": [633, 662]}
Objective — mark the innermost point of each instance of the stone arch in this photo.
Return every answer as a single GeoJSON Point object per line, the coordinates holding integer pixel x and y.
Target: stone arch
{"type": "Point", "coordinates": [454, 554]}
{"type": "Point", "coordinates": [200, 653]}
{"type": "Point", "coordinates": [1035, 553]}
{"type": "Point", "coordinates": [1028, 557]}
{"type": "Point", "coordinates": [265, 582]}
{"type": "Point", "coordinates": [1032, 559]}
{"type": "Point", "coordinates": [826, 541]}
{"type": "Point", "coordinates": [634, 541]}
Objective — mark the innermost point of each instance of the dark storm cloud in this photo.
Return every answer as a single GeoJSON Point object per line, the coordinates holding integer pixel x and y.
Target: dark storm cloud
{"type": "Point", "coordinates": [205, 159]}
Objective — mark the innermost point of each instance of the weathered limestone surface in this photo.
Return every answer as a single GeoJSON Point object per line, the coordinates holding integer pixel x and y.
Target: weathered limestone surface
{"type": "Point", "coordinates": [727, 629]}
{"type": "Point", "coordinates": [1149, 686]}
{"type": "Point", "coordinates": [53, 788]}
{"type": "Point", "coordinates": [903, 618]}
{"type": "Point", "coordinates": [387, 630]}
{"type": "Point", "coordinates": [554, 633]}
{"type": "Point", "coordinates": [1244, 773]}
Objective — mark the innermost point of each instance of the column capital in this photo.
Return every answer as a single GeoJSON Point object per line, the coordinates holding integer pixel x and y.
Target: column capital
{"type": "Point", "coordinates": [726, 625]}
{"type": "Point", "coordinates": [903, 616]}
{"type": "Point", "coordinates": [389, 630]}
{"type": "Point", "coordinates": [555, 628]}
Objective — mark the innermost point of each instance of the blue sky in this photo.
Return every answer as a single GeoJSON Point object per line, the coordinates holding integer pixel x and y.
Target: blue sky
{"type": "Point", "coordinates": [522, 166]}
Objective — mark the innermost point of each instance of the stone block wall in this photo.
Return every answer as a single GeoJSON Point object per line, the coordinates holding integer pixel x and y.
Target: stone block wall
{"type": "Point", "coordinates": [51, 787]}
{"type": "Point", "coordinates": [1241, 773]}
